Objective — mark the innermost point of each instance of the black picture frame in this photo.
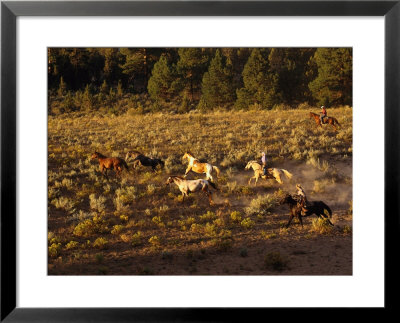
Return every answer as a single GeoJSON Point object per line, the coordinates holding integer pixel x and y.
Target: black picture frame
{"type": "Point", "coordinates": [10, 10]}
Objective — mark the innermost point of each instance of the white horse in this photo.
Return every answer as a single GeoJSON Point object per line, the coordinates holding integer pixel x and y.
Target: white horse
{"type": "Point", "coordinates": [197, 167]}
{"type": "Point", "coordinates": [272, 173]}
{"type": "Point", "coordinates": [188, 186]}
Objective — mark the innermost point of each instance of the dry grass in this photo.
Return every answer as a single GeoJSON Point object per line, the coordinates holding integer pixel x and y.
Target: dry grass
{"type": "Point", "coordinates": [137, 216]}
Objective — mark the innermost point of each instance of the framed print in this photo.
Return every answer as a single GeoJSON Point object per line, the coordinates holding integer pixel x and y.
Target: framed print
{"type": "Point", "coordinates": [192, 152]}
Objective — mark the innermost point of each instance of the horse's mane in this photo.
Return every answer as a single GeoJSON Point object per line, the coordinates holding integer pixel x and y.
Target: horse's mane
{"type": "Point", "coordinates": [176, 176]}
{"type": "Point", "coordinates": [314, 114]}
{"type": "Point", "coordinates": [189, 153]}
{"type": "Point", "coordinates": [99, 154]}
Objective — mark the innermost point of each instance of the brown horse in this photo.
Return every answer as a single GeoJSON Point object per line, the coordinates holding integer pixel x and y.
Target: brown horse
{"type": "Point", "coordinates": [327, 120]}
{"type": "Point", "coordinates": [107, 163]}
{"type": "Point", "coordinates": [313, 207]}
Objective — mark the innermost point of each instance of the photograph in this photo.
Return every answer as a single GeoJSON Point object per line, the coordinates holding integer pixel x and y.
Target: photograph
{"type": "Point", "coordinates": [200, 161]}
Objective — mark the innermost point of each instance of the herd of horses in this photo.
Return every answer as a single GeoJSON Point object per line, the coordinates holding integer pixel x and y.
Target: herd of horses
{"type": "Point", "coordinates": [204, 185]}
{"type": "Point", "coordinates": [319, 208]}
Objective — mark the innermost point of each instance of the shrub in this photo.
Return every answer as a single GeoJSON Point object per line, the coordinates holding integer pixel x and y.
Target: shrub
{"type": "Point", "coordinates": [71, 245]}
{"type": "Point", "coordinates": [54, 250]}
{"type": "Point", "coordinates": [97, 203]}
{"type": "Point", "coordinates": [236, 217]}
{"type": "Point", "coordinates": [137, 239]}
{"type": "Point", "coordinates": [321, 226]}
{"type": "Point", "coordinates": [247, 223]}
{"type": "Point", "coordinates": [268, 236]}
{"type": "Point", "coordinates": [261, 205]}
{"type": "Point", "coordinates": [274, 261]}
{"type": "Point", "coordinates": [155, 241]}
{"type": "Point", "coordinates": [117, 229]}
{"type": "Point", "coordinates": [100, 243]}
{"type": "Point", "coordinates": [243, 252]}
{"type": "Point", "coordinates": [209, 216]}
{"type": "Point", "coordinates": [350, 209]}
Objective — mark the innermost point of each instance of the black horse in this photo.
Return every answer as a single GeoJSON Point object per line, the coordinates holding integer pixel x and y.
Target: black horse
{"type": "Point", "coordinates": [313, 207]}
{"type": "Point", "coordinates": [147, 161]}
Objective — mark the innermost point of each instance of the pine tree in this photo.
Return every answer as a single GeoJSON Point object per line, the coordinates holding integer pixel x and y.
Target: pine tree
{"type": "Point", "coordinates": [260, 83]}
{"type": "Point", "coordinates": [104, 88]}
{"type": "Point", "coordinates": [162, 86]}
{"type": "Point", "coordinates": [62, 89]}
{"type": "Point", "coordinates": [217, 86]}
{"type": "Point", "coordinates": [293, 71]}
{"type": "Point", "coordinates": [191, 66]}
{"type": "Point", "coordinates": [333, 85]}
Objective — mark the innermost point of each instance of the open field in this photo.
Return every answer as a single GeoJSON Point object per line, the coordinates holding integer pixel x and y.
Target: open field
{"type": "Point", "coordinates": [135, 224]}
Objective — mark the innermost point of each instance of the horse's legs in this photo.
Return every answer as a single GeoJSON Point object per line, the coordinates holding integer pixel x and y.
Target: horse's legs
{"type": "Point", "coordinates": [300, 219]}
{"type": "Point", "coordinates": [187, 171]}
{"type": "Point", "coordinates": [255, 182]}
{"type": "Point", "coordinates": [207, 192]}
{"type": "Point", "coordinates": [290, 220]}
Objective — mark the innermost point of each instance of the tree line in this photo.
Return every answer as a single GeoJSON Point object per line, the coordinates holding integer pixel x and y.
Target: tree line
{"type": "Point", "coordinates": [198, 78]}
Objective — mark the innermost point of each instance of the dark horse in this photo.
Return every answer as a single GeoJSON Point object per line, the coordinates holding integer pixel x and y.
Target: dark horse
{"type": "Point", "coordinates": [140, 159]}
{"type": "Point", "coordinates": [313, 207]}
{"type": "Point", "coordinates": [147, 161]}
{"type": "Point", "coordinates": [327, 120]}
{"type": "Point", "coordinates": [107, 163]}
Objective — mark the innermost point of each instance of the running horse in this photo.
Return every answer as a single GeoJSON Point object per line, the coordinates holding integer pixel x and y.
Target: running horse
{"type": "Point", "coordinates": [189, 186]}
{"type": "Point", "coordinates": [313, 207]}
{"type": "Point", "coordinates": [140, 159]}
{"type": "Point", "coordinates": [327, 120]}
{"type": "Point", "coordinates": [272, 173]}
{"type": "Point", "coordinates": [107, 163]}
{"type": "Point", "coordinates": [196, 166]}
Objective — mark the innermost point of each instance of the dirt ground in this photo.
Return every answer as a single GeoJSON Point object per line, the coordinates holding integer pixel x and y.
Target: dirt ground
{"type": "Point", "coordinates": [147, 231]}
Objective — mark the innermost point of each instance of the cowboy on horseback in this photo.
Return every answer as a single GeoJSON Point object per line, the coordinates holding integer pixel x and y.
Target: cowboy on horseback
{"type": "Point", "coordinates": [323, 114]}
{"type": "Point", "coordinates": [303, 198]}
{"type": "Point", "coordinates": [264, 163]}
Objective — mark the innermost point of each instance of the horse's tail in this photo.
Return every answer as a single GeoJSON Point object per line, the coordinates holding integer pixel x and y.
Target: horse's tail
{"type": "Point", "coordinates": [326, 207]}
{"type": "Point", "coordinates": [288, 175]}
{"type": "Point", "coordinates": [125, 165]}
{"type": "Point", "coordinates": [213, 185]}
{"type": "Point", "coordinates": [337, 122]}
{"type": "Point", "coordinates": [217, 170]}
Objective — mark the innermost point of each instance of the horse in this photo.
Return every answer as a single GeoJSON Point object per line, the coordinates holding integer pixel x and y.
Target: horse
{"type": "Point", "coordinates": [327, 120]}
{"type": "Point", "coordinates": [132, 154]}
{"type": "Point", "coordinates": [272, 173]}
{"type": "Point", "coordinates": [188, 186]}
{"type": "Point", "coordinates": [107, 163]}
{"type": "Point", "coordinates": [313, 207]}
{"type": "Point", "coordinates": [147, 161]}
{"type": "Point", "coordinates": [196, 166]}
{"type": "Point", "coordinates": [140, 159]}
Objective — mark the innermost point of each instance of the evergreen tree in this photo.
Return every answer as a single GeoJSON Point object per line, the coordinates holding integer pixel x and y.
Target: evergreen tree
{"type": "Point", "coordinates": [293, 71]}
{"type": "Point", "coordinates": [217, 86]}
{"type": "Point", "coordinates": [162, 83]}
{"type": "Point", "coordinates": [191, 66]}
{"type": "Point", "coordinates": [138, 65]}
{"type": "Point", "coordinates": [333, 85]}
{"type": "Point", "coordinates": [62, 89]}
{"type": "Point", "coordinates": [260, 83]}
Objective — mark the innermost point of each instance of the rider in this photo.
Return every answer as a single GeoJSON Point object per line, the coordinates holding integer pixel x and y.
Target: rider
{"type": "Point", "coordinates": [264, 163]}
{"type": "Point", "coordinates": [323, 114]}
{"type": "Point", "coordinates": [303, 198]}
